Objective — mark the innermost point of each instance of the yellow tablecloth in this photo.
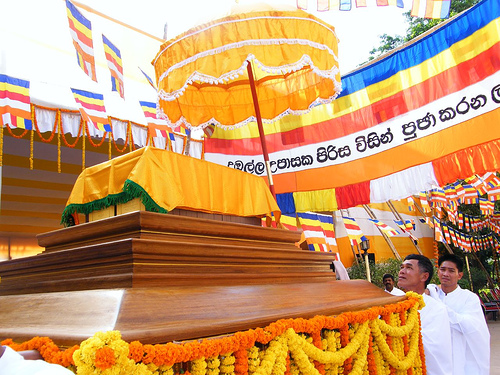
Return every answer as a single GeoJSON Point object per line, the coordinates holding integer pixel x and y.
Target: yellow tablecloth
{"type": "Point", "coordinates": [165, 180]}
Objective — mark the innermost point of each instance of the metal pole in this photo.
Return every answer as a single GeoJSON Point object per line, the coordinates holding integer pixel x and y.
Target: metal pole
{"type": "Point", "coordinates": [261, 128]}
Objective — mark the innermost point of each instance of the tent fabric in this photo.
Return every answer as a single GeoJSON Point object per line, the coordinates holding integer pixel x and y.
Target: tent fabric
{"type": "Point", "coordinates": [158, 178]}
{"type": "Point", "coordinates": [432, 104]}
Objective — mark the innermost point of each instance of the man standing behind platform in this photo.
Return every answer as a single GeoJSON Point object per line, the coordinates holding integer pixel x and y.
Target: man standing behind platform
{"type": "Point", "coordinates": [469, 332]}
{"type": "Point", "coordinates": [388, 281]}
{"type": "Point", "coordinates": [415, 273]}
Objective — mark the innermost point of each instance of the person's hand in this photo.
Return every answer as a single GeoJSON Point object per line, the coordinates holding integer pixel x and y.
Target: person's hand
{"type": "Point", "coordinates": [427, 291]}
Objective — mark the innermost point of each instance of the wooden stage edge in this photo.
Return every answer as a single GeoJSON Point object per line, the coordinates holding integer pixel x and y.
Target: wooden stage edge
{"type": "Point", "coordinates": [158, 278]}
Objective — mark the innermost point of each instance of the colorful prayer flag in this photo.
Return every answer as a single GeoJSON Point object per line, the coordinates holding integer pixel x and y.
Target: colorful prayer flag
{"type": "Point", "coordinates": [434, 9]}
{"type": "Point", "coordinates": [353, 230]}
{"type": "Point", "coordinates": [15, 108]}
{"type": "Point", "coordinates": [91, 107]}
{"type": "Point", "coordinates": [384, 228]}
{"type": "Point", "coordinates": [81, 32]}
{"type": "Point", "coordinates": [114, 59]}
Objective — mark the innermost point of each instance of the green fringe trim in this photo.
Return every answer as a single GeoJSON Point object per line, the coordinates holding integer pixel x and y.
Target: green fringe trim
{"type": "Point", "coordinates": [131, 190]}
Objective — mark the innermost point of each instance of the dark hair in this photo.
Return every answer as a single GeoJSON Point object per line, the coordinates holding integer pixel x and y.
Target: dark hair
{"type": "Point", "coordinates": [388, 275]}
{"type": "Point", "coordinates": [452, 258]}
{"type": "Point", "coordinates": [424, 264]}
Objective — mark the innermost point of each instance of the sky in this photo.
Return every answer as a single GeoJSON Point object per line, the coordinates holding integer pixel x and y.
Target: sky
{"type": "Point", "coordinates": [358, 30]}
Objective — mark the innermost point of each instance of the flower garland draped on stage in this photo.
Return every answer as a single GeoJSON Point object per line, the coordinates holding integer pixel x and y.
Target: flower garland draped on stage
{"type": "Point", "coordinates": [379, 340]}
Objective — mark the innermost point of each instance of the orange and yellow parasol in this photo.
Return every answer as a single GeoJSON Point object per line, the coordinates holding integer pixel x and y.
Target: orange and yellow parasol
{"type": "Point", "coordinates": [257, 64]}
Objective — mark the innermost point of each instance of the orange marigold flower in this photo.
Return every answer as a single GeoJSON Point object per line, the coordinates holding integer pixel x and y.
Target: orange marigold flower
{"type": "Point", "coordinates": [104, 358]}
{"type": "Point", "coordinates": [135, 351]}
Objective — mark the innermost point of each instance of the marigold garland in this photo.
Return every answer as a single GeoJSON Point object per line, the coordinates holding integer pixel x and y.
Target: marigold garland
{"type": "Point", "coordinates": [353, 343]}
{"type": "Point", "coordinates": [90, 138]}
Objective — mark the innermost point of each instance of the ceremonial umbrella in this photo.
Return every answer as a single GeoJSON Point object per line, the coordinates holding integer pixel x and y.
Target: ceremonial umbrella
{"type": "Point", "coordinates": [259, 63]}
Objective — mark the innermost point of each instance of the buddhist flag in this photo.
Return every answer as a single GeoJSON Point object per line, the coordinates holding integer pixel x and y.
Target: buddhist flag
{"type": "Point", "coordinates": [438, 234]}
{"type": "Point", "coordinates": [478, 184]}
{"type": "Point", "coordinates": [384, 228]}
{"type": "Point", "coordinates": [446, 232]}
{"type": "Point", "coordinates": [438, 198]}
{"type": "Point", "coordinates": [289, 222]}
{"type": "Point", "coordinates": [424, 202]}
{"type": "Point", "coordinates": [486, 207]}
{"type": "Point", "coordinates": [328, 230]}
{"type": "Point", "coordinates": [114, 59]}
{"type": "Point", "coordinates": [491, 181]}
{"type": "Point", "coordinates": [471, 196]}
{"type": "Point", "coordinates": [91, 107]}
{"type": "Point", "coordinates": [157, 127]}
{"type": "Point", "coordinates": [313, 231]}
{"type": "Point", "coordinates": [353, 230]}
{"type": "Point", "coordinates": [435, 9]}
{"type": "Point", "coordinates": [148, 78]}
{"type": "Point", "coordinates": [15, 102]}
{"type": "Point", "coordinates": [81, 32]}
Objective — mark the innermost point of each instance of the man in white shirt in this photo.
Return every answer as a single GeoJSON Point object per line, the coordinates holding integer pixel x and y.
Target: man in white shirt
{"type": "Point", "coordinates": [13, 363]}
{"type": "Point", "coordinates": [469, 332]}
{"type": "Point", "coordinates": [388, 281]}
{"type": "Point", "coordinates": [415, 273]}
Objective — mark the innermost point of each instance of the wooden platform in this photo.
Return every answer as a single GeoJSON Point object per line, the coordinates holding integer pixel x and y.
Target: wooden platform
{"type": "Point", "coordinates": [159, 278]}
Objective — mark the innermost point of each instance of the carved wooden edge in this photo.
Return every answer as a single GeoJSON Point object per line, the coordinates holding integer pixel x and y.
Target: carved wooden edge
{"type": "Point", "coordinates": [135, 223]}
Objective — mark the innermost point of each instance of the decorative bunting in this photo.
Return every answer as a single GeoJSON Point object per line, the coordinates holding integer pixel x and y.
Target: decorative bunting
{"type": "Point", "coordinates": [91, 107]}
{"type": "Point", "coordinates": [114, 59]}
{"type": "Point", "coordinates": [15, 109]}
{"type": "Point", "coordinates": [81, 32]}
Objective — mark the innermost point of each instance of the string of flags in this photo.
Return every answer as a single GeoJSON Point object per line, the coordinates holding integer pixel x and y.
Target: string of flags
{"type": "Point", "coordinates": [432, 9]}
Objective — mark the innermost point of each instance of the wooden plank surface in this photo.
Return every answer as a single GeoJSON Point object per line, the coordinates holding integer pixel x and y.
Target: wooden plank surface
{"type": "Point", "coordinates": [157, 315]}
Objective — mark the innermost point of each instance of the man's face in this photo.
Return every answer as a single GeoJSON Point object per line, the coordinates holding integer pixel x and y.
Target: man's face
{"type": "Point", "coordinates": [388, 283]}
{"type": "Point", "coordinates": [448, 275]}
{"type": "Point", "coordinates": [410, 278]}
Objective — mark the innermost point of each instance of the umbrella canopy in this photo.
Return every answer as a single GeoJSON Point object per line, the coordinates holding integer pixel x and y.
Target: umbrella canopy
{"type": "Point", "coordinates": [202, 74]}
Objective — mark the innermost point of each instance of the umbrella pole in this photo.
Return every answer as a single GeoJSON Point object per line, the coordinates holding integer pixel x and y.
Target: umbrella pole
{"type": "Point", "coordinates": [261, 128]}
